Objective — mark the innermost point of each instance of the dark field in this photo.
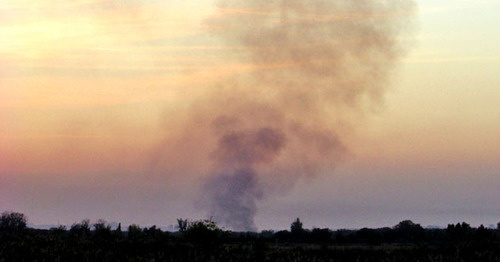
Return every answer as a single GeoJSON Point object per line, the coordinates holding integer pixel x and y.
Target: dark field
{"type": "Point", "coordinates": [205, 241]}
{"type": "Point", "coordinates": [167, 250]}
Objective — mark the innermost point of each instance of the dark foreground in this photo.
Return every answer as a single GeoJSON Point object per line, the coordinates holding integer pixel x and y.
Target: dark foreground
{"type": "Point", "coordinates": [167, 250]}
{"type": "Point", "coordinates": [205, 241]}
{"type": "Point", "coordinates": [37, 245]}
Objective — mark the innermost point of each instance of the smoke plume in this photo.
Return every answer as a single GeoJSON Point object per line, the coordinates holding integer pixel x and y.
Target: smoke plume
{"type": "Point", "coordinates": [233, 194]}
{"type": "Point", "coordinates": [313, 68]}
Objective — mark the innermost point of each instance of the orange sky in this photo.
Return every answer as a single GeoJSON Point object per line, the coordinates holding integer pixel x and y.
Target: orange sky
{"type": "Point", "coordinates": [93, 93]}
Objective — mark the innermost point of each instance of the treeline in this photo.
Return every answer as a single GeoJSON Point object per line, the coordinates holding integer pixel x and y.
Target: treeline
{"type": "Point", "coordinates": [204, 240]}
{"type": "Point", "coordinates": [405, 232]}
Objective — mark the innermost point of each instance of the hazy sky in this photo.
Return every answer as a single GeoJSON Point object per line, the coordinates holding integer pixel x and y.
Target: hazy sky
{"type": "Point", "coordinates": [105, 105]}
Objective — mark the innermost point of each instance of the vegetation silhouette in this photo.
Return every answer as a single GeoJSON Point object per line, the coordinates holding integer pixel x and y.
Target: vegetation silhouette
{"type": "Point", "coordinates": [12, 222]}
{"type": "Point", "coordinates": [296, 228]}
{"type": "Point", "coordinates": [204, 240]}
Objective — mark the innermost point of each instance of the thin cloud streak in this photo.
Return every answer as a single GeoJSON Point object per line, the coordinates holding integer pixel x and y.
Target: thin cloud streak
{"type": "Point", "coordinates": [437, 60]}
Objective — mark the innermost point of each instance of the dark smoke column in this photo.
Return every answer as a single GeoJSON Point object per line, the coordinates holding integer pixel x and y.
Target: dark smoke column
{"type": "Point", "coordinates": [234, 192]}
{"type": "Point", "coordinates": [318, 65]}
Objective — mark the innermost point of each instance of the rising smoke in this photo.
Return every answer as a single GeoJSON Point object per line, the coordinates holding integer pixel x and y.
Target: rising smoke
{"type": "Point", "coordinates": [316, 67]}
{"type": "Point", "coordinates": [233, 194]}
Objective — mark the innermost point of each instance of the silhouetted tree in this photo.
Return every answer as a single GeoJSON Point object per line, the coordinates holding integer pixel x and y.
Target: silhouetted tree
{"type": "Point", "coordinates": [205, 231]}
{"type": "Point", "coordinates": [183, 224]}
{"type": "Point", "coordinates": [406, 225]}
{"type": "Point", "coordinates": [465, 227]}
{"type": "Point", "coordinates": [12, 222]}
{"type": "Point", "coordinates": [406, 230]}
{"type": "Point", "coordinates": [267, 233]}
{"type": "Point", "coordinates": [59, 230]}
{"type": "Point", "coordinates": [101, 224]}
{"type": "Point", "coordinates": [134, 231]}
{"type": "Point", "coordinates": [152, 232]}
{"type": "Point", "coordinates": [102, 229]}
{"type": "Point", "coordinates": [460, 231]}
{"type": "Point", "coordinates": [296, 228]}
{"type": "Point", "coordinates": [118, 229]}
{"type": "Point", "coordinates": [81, 229]}
{"type": "Point", "coordinates": [483, 234]}
{"type": "Point", "coordinates": [498, 230]}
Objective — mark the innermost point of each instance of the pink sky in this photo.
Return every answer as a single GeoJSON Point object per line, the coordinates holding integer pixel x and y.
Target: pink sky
{"type": "Point", "coordinates": [106, 108]}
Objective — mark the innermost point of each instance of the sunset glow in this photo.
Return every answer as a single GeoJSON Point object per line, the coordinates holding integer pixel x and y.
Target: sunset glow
{"type": "Point", "coordinates": [120, 110]}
